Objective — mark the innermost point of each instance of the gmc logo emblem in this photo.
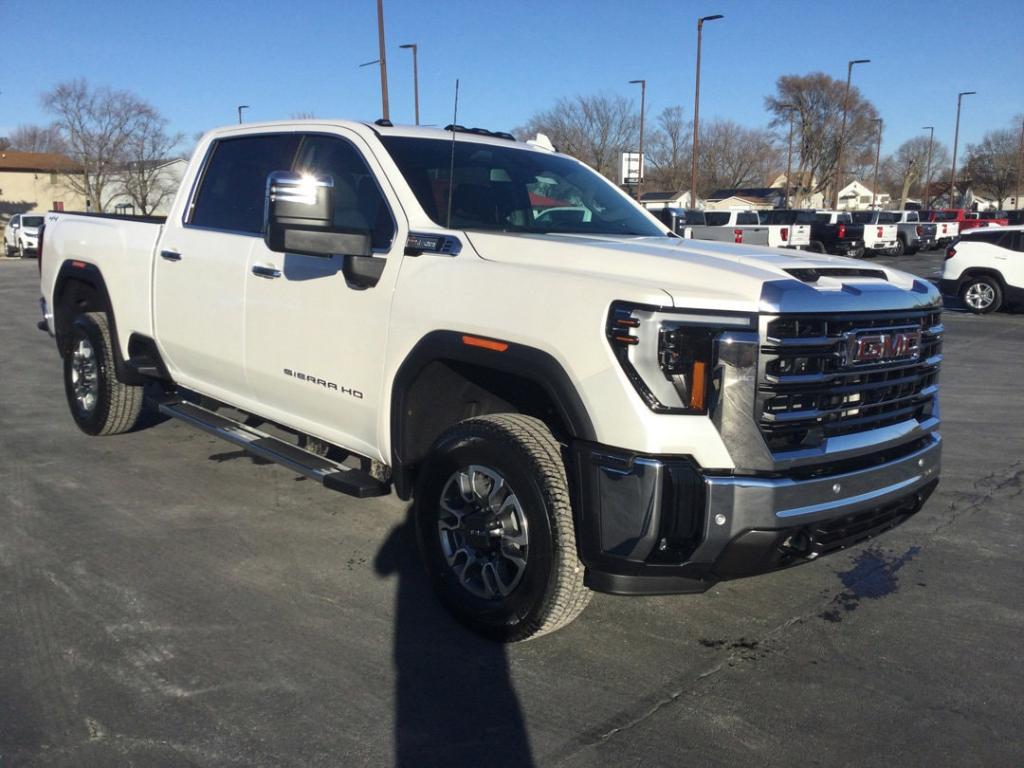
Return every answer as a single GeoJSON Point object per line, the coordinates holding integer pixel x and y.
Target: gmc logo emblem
{"type": "Point", "coordinates": [883, 347]}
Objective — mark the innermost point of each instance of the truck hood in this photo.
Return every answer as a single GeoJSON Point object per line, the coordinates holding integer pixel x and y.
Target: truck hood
{"type": "Point", "coordinates": [706, 274]}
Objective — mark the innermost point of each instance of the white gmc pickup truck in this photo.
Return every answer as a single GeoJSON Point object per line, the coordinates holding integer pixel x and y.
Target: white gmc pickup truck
{"type": "Point", "coordinates": [580, 402]}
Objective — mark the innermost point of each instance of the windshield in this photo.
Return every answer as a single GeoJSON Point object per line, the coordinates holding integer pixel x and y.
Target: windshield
{"type": "Point", "coordinates": [32, 221]}
{"type": "Point", "coordinates": [507, 189]}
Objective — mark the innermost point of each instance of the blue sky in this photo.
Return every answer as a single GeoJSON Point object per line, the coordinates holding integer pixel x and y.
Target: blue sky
{"type": "Point", "coordinates": [196, 61]}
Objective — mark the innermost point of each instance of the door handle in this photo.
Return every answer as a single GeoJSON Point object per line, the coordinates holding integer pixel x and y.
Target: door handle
{"type": "Point", "coordinates": [170, 255]}
{"type": "Point", "coordinates": [268, 272]}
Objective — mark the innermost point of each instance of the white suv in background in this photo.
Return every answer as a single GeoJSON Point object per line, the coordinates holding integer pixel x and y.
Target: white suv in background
{"type": "Point", "coordinates": [22, 234]}
{"type": "Point", "coordinates": [985, 268]}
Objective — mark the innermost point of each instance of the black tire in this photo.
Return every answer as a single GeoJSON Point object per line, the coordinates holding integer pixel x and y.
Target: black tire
{"type": "Point", "coordinates": [107, 407]}
{"type": "Point", "coordinates": [981, 294]}
{"type": "Point", "coordinates": [900, 248]}
{"type": "Point", "coordinates": [816, 246]}
{"type": "Point", "coordinates": [547, 592]}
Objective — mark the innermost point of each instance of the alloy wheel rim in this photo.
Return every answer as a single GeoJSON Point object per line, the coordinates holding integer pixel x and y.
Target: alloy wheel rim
{"type": "Point", "coordinates": [85, 375]}
{"type": "Point", "coordinates": [483, 532]}
{"type": "Point", "coordinates": [980, 296]}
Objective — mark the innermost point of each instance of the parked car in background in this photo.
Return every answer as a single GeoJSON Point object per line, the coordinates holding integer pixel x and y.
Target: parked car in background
{"type": "Point", "coordinates": [21, 236]}
{"type": "Point", "coordinates": [746, 227]}
{"type": "Point", "coordinates": [947, 228]}
{"type": "Point", "coordinates": [797, 222]}
{"type": "Point", "coordinates": [1014, 217]}
{"type": "Point", "coordinates": [985, 268]}
{"type": "Point", "coordinates": [973, 219]}
{"type": "Point", "coordinates": [879, 230]}
{"type": "Point", "coordinates": [912, 234]}
{"type": "Point", "coordinates": [835, 232]}
{"type": "Point", "coordinates": [679, 220]}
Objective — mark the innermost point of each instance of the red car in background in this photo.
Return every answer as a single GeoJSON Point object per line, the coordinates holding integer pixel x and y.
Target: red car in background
{"type": "Point", "coordinates": [972, 219]}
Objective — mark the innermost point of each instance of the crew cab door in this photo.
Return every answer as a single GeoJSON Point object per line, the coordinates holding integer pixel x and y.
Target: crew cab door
{"type": "Point", "coordinates": [315, 328]}
{"type": "Point", "coordinates": [201, 269]}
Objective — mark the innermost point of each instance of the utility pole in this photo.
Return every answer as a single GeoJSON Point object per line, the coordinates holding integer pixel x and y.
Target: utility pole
{"type": "Point", "coordinates": [696, 113]}
{"type": "Point", "coordinates": [240, 108]}
{"type": "Point", "coordinates": [640, 167]}
{"type": "Point", "coordinates": [383, 61]}
{"type": "Point", "coordinates": [842, 131]}
{"type": "Point", "coordinates": [1020, 162]}
{"type": "Point", "coordinates": [956, 140]}
{"type": "Point", "coordinates": [415, 79]}
{"type": "Point", "coordinates": [928, 172]}
{"type": "Point", "coordinates": [878, 156]}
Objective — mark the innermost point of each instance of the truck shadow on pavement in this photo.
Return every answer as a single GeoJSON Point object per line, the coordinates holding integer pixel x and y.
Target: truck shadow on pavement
{"type": "Point", "coordinates": [455, 704]}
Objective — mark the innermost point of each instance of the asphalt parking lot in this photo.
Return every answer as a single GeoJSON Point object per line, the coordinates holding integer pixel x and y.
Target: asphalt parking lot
{"type": "Point", "coordinates": [165, 600]}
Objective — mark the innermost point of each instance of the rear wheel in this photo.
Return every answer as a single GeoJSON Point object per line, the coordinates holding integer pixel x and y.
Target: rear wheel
{"type": "Point", "coordinates": [495, 527]}
{"type": "Point", "coordinates": [900, 248]}
{"type": "Point", "coordinates": [981, 294]}
{"type": "Point", "coordinates": [99, 403]}
{"type": "Point", "coordinates": [816, 246]}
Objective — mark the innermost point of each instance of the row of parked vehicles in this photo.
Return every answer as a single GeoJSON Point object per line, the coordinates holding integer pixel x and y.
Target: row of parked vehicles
{"type": "Point", "coordinates": [844, 233]}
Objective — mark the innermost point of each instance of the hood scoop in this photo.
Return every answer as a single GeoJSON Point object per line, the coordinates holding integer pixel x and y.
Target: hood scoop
{"type": "Point", "coordinates": [813, 274]}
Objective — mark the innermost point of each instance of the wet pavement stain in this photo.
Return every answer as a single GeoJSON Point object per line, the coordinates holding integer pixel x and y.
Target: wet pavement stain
{"type": "Point", "coordinates": [873, 576]}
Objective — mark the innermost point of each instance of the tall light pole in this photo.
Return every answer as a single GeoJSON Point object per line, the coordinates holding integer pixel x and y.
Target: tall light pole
{"type": "Point", "coordinates": [878, 156]}
{"type": "Point", "coordinates": [789, 152]}
{"type": "Point", "coordinates": [842, 130]}
{"type": "Point", "coordinates": [640, 167]}
{"type": "Point", "coordinates": [240, 108]}
{"type": "Point", "coordinates": [928, 170]}
{"type": "Point", "coordinates": [415, 78]}
{"type": "Point", "coordinates": [696, 113]}
{"type": "Point", "coordinates": [383, 61]}
{"type": "Point", "coordinates": [956, 140]}
{"type": "Point", "coordinates": [1020, 163]}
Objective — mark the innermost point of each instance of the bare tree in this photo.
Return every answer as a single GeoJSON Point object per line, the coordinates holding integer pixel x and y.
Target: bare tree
{"type": "Point", "coordinates": [98, 125]}
{"type": "Point", "coordinates": [147, 152]}
{"type": "Point", "coordinates": [668, 150]}
{"type": "Point", "coordinates": [991, 164]}
{"type": "Point", "coordinates": [903, 172]}
{"type": "Point", "coordinates": [733, 156]}
{"type": "Point", "coordinates": [595, 129]}
{"type": "Point", "coordinates": [37, 138]}
{"type": "Point", "coordinates": [818, 100]}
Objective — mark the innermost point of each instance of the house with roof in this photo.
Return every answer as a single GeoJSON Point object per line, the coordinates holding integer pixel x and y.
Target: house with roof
{"type": "Point", "coordinates": [801, 191]}
{"type": "Point", "coordinates": [655, 201]}
{"type": "Point", "coordinates": [745, 199]}
{"type": "Point", "coordinates": [855, 196]}
{"type": "Point", "coordinates": [34, 182]}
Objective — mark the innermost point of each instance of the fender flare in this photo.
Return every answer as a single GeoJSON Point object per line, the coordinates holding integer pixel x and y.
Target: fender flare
{"type": "Point", "coordinates": [521, 360]}
{"type": "Point", "coordinates": [74, 270]}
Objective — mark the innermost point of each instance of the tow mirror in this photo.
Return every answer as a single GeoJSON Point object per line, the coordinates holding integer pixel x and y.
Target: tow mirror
{"type": "Point", "coordinates": [299, 218]}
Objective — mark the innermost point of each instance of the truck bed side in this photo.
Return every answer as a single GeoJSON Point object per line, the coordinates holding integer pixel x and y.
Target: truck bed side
{"type": "Point", "coordinates": [119, 249]}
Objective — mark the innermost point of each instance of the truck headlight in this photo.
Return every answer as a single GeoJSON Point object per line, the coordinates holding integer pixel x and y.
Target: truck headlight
{"type": "Point", "coordinates": [668, 355]}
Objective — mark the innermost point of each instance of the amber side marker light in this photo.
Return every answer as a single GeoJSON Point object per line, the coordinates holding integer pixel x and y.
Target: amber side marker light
{"type": "Point", "coordinates": [697, 385]}
{"type": "Point", "coordinates": [476, 341]}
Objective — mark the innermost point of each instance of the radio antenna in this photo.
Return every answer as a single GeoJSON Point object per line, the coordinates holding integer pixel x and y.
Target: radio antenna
{"type": "Point", "coordinates": [451, 161]}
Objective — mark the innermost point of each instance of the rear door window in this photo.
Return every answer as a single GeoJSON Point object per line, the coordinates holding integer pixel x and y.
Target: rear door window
{"type": "Point", "coordinates": [231, 193]}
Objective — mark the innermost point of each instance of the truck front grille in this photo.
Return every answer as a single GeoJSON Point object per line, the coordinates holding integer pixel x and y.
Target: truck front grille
{"type": "Point", "coordinates": [813, 384]}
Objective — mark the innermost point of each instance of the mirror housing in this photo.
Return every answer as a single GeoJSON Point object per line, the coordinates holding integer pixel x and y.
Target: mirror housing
{"type": "Point", "coordinates": [298, 218]}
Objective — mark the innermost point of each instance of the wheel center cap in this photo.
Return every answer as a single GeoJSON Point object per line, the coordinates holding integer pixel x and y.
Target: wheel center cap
{"type": "Point", "coordinates": [482, 531]}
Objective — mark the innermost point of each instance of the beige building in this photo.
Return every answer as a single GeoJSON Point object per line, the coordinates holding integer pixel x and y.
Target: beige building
{"type": "Point", "coordinates": [32, 182]}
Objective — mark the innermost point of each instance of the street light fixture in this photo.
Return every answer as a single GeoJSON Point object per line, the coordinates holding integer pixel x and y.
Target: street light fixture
{"type": "Point", "coordinates": [696, 112]}
{"type": "Point", "coordinates": [415, 78]}
{"type": "Point", "coordinates": [842, 130]}
{"type": "Point", "coordinates": [956, 139]}
{"type": "Point", "coordinates": [240, 108]}
{"type": "Point", "coordinates": [878, 156]}
{"type": "Point", "coordinates": [640, 166]}
{"type": "Point", "coordinates": [928, 169]}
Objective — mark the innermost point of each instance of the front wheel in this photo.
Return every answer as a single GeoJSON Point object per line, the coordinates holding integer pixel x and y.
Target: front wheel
{"type": "Point", "coordinates": [981, 295]}
{"type": "Point", "coordinates": [100, 404]}
{"type": "Point", "coordinates": [495, 527]}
